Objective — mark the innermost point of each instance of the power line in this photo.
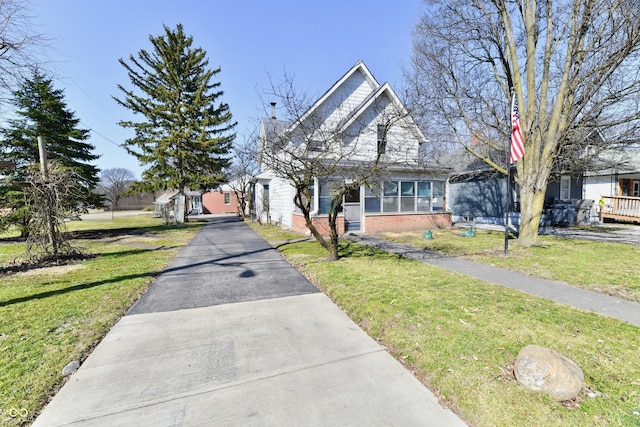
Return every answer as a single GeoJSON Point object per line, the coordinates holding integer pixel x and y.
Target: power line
{"type": "Point", "coordinates": [100, 106]}
{"type": "Point", "coordinates": [91, 98]}
{"type": "Point", "coordinates": [98, 133]}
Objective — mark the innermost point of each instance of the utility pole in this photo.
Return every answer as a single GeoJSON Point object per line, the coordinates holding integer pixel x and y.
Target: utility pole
{"type": "Point", "coordinates": [42, 150]}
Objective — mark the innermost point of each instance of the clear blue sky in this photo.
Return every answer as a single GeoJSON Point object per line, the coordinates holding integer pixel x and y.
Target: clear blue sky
{"type": "Point", "coordinates": [315, 41]}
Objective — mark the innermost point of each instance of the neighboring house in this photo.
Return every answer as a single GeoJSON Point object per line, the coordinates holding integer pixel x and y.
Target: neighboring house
{"type": "Point", "coordinates": [477, 193]}
{"type": "Point", "coordinates": [411, 196]}
{"type": "Point", "coordinates": [165, 200]}
{"type": "Point", "coordinates": [617, 184]}
{"type": "Point", "coordinates": [222, 200]}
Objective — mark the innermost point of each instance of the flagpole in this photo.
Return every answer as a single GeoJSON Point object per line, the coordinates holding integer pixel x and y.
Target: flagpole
{"type": "Point", "coordinates": [506, 216]}
{"type": "Point", "coordinates": [508, 186]}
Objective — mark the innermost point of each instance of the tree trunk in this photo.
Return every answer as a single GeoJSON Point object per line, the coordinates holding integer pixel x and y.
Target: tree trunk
{"type": "Point", "coordinates": [332, 250]}
{"type": "Point", "coordinates": [334, 241]}
{"type": "Point", "coordinates": [531, 204]}
{"type": "Point", "coordinates": [185, 211]}
{"type": "Point", "coordinates": [533, 188]}
{"type": "Point", "coordinates": [314, 231]}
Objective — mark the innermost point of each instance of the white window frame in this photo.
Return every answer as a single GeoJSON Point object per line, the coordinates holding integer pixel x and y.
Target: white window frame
{"type": "Point", "coordinates": [565, 187]}
{"type": "Point", "coordinates": [382, 139]}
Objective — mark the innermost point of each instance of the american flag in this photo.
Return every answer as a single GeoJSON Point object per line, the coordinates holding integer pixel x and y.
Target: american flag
{"type": "Point", "coordinates": [517, 143]}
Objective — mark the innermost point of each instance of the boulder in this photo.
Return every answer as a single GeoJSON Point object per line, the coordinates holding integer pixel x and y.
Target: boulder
{"type": "Point", "coordinates": [545, 370]}
{"type": "Point", "coordinates": [70, 368]}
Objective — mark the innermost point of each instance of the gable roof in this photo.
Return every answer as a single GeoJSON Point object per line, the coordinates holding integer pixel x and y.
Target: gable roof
{"type": "Point", "coordinates": [377, 91]}
{"type": "Point", "coordinates": [385, 89]}
{"type": "Point", "coordinates": [358, 67]}
{"type": "Point", "coordinates": [617, 161]}
{"type": "Point", "coordinates": [463, 162]}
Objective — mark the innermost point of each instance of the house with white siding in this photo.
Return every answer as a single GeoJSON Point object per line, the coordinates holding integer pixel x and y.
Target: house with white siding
{"type": "Point", "coordinates": [358, 111]}
{"type": "Point", "coordinates": [616, 186]}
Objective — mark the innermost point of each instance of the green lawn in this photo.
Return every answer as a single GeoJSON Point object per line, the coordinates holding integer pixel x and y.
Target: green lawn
{"type": "Point", "coordinates": [457, 334]}
{"type": "Point", "coordinates": [460, 336]}
{"type": "Point", "coordinates": [52, 316]}
{"type": "Point", "coordinates": [610, 268]}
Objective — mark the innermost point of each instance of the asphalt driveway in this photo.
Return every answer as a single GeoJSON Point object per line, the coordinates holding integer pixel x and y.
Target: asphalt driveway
{"type": "Point", "coordinates": [232, 335]}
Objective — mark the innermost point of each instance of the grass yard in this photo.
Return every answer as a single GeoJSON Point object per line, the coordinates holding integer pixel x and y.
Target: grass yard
{"type": "Point", "coordinates": [52, 316]}
{"type": "Point", "coordinates": [460, 335]}
{"type": "Point", "coordinates": [610, 268]}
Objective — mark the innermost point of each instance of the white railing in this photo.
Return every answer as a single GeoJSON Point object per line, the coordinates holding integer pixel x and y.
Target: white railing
{"type": "Point", "coordinates": [620, 207]}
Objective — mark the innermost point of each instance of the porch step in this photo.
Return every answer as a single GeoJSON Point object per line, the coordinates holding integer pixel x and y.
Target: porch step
{"type": "Point", "coordinates": [352, 226]}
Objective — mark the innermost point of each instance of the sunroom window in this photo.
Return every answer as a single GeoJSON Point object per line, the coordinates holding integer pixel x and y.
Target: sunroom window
{"type": "Point", "coordinates": [372, 199]}
{"type": "Point", "coordinates": [424, 197]}
{"type": "Point", "coordinates": [390, 197]}
{"type": "Point", "coordinates": [407, 196]}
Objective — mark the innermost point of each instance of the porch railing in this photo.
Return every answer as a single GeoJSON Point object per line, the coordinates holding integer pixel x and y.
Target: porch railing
{"type": "Point", "coordinates": [620, 207]}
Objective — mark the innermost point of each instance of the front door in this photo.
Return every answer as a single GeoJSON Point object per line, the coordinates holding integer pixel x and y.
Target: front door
{"type": "Point", "coordinates": [352, 213]}
{"type": "Point", "coordinates": [196, 205]}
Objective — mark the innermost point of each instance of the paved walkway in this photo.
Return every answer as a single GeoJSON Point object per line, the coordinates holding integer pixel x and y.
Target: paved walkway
{"type": "Point", "coordinates": [604, 232]}
{"type": "Point", "coordinates": [232, 335]}
{"type": "Point", "coordinates": [549, 289]}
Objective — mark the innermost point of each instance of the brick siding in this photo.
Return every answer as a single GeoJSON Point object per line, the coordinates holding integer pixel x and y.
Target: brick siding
{"type": "Point", "coordinates": [213, 202]}
{"type": "Point", "coordinates": [320, 222]}
{"type": "Point", "coordinates": [377, 223]}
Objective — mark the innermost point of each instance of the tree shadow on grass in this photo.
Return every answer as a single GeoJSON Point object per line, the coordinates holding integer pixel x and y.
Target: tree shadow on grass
{"type": "Point", "coordinates": [89, 285]}
{"type": "Point", "coordinates": [19, 267]}
{"type": "Point", "coordinates": [81, 287]}
{"type": "Point", "coordinates": [101, 233]}
{"type": "Point", "coordinates": [117, 232]}
{"type": "Point", "coordinates": [248, 272]}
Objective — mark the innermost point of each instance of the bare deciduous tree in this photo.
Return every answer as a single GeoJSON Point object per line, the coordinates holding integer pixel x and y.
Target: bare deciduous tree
{"type": "Point", "coordinates": [18, 43]}
{"type": "Point", "coordinates": [573, 65]}
{"type": "Point", "coordinates": [50, 194]}
{"type": "Point", "coordinates": [114, 182]}
{"type": "Point", "coordinates": [307, 148]}
{"type": "Point", "coordinates": [243, 171]}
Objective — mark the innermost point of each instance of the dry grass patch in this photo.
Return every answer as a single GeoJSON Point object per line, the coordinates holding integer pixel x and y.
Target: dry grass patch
{"type": "Point", "coordinates": [54, 271]}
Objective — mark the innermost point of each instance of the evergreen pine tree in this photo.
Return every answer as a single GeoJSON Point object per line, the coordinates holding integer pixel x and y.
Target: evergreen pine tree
{"type": "Point", "coordinates": [187, 133]}
{"type": "Point", "coordinates": [42, 111]}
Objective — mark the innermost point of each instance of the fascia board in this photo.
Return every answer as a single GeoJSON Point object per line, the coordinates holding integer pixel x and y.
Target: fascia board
{"type": "Point", "coordinates": [358, 66]}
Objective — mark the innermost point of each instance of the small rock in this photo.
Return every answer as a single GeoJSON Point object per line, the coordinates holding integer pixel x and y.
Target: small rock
{"type": "Point", "coordinates": [70, 368]}
{"type": "Point", "coordinates": [545, 370]}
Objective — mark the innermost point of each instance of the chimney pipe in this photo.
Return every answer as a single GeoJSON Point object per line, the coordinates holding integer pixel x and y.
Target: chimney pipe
{"type": "Point", "coordinates": [273, 110]}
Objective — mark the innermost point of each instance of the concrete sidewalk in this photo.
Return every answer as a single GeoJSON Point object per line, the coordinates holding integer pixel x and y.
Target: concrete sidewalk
{"type": "Point", "coordinates": [556, 291]}
{"type": "Point", "coordinates": [230, 334]}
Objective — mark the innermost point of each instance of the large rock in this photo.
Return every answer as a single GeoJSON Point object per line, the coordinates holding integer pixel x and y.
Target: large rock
{"type": "Point", "coordinates": [545, 370]}
{"type": "Point", "coordinates": [70, 368]}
